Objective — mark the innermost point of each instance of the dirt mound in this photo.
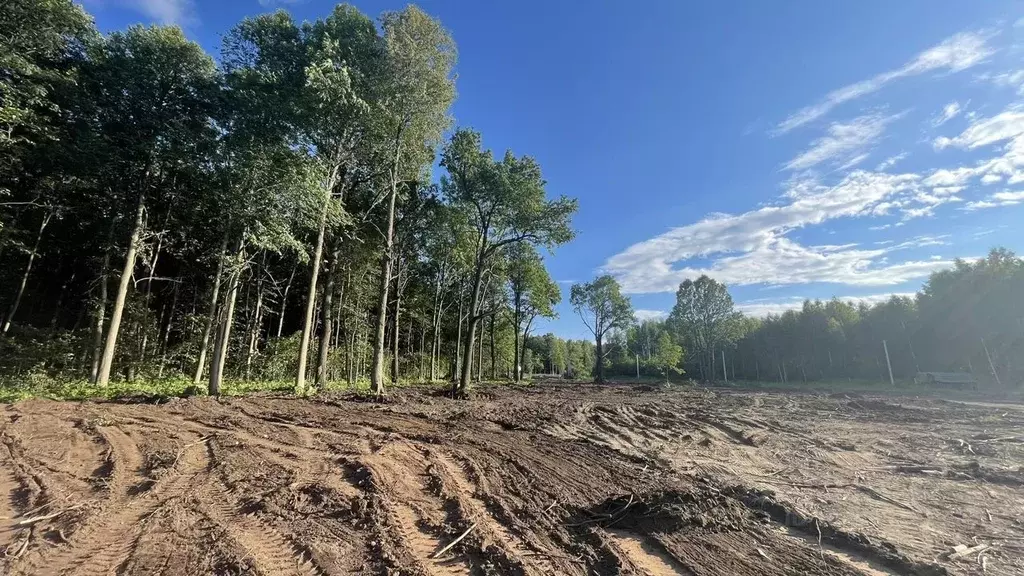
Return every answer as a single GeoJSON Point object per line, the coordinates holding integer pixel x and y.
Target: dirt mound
{"type": "Point", "coordinates": [559, 479]}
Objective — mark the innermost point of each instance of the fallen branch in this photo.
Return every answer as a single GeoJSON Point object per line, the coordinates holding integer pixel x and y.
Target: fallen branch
{"type": "Point", "coordinates": [187, 446]}
{"type": "Point", "coordinates": [24, 545]}
{"type": "Point", "coordinates": [34, 519]}
{"type": "Point", "coordinates": [441, 552]}
{"type": "Point", "coordinates": [962, 551]}
{"type": "Point", "coordinates": [879, 496]}
{"type": "Point", "coordinates": [865, 489]}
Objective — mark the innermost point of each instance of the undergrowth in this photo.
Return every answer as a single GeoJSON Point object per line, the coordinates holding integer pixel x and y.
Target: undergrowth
{"type": "Point", "coordinates": [44, 387]}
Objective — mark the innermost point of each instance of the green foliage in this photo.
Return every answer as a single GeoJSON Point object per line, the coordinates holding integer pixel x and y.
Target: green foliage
{"type": "Point", "coordinates": [959, 314]}
{"type": "Point", "coordinates": [41, 42]}
{"type": "Point", "coordinates": [222, 178]}
{"type": "Point", "coordinates": [704, 321]}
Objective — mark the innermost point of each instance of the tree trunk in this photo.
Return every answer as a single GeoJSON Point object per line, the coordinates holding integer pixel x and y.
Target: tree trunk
{"type": "Point", "coordinates": [325, 338]}
{"type": "Point", "coordinates": [494, 352]}
{"type": "Point", "coordinates": [220, 352]}
{"type": "Point", "coordinates": [458, 346]}
{"type": "Point", "coordinates": [307, 322]}
{"type": "Point", "coordinates": [254, 330]}
{"type": "Point", "coordinates": [284, 299]}
{"type": "Point", "coordinates": [474, 320]}
{"type": "Point", "coordinates": [110, 344]}
{"type": "Point", "coordinates": [211, 318]}
{"type": "Point", "coordinates": [167, 332]}
{"type": "Point", "coordinates": [599, 364]}
{"type": "Point", "coordinates": [423, 341]}
{"type": "Point", "coordinates": [516, 320]}
{"type": "Point", "coordinates": [377, 373]}
{"type": "Point", "coordinates": [24, 275]}
{"type": "Point", "coordinates": [480, 355]}
{"type": "Point", "coordinates": [101, 310]}
{"type": "Point", "coordinates": [398, 312]}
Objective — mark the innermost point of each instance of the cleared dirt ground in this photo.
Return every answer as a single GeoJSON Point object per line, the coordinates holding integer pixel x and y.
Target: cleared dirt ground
{"type": "Point", "coordinates": [552, 479]}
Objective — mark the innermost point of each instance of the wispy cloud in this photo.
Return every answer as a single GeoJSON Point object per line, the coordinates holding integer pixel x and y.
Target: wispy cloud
{"type": "Point", "coordinates": [180, 12]}
{"type": "Point", "coordinates": [890, 161]}
{"type": "Point", "coordinates": [650, 314]}
{"type": "Point", "coordinates": [986, 131]}
{"type": "Point", "coordinates": [753, 247]}
{"type": "Point", "coordinates": [1005, 129]}
{"type": "Point", "coordinates": [1006, 198]}
{"type": "Point", "coordinates": [272, 3]}
{"type": "Point", "coordinates": [763, 307]}
{"type": "Point", "coordinates": [954, 54]}
{"type": "Point", "coordinates": [1013, 79]}
{"type": "Point", "coordinates": [950, 111]}
{"type": "Point", "coordinates": [845, 144]}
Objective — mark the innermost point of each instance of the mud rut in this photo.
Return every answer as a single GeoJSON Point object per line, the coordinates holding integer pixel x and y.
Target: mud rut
{"type": "Point", "coordinates": [558, 481]}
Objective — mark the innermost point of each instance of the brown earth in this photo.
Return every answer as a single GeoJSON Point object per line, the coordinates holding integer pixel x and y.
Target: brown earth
{"type": "Point", "coordinates": [551, 479]}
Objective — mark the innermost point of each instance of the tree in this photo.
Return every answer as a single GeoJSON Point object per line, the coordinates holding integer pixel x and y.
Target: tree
{"type": "Point", "coordinates": [416, 90]}
{"type": "Point", "coordinates": [336, 102]}
{"type": "Point", "coordinates": [154, 103]}
{"type": "Point", "coordinates": [505, 203]}
{"type": "Point", "coordinates": [534, 294]}
{"type": "Point", "coordinates": [603, 308]}
{"type": "Point", "coordinates": [701, 318]}
{"type": "Point", "coordinates": [667, 355]}
{"type": "Point", "coordinates": [43, 41]}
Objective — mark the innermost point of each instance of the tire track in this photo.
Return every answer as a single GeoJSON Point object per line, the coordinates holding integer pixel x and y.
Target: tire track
{"type": "Point", "coordinates": [269, 551]}
{"type": "Point", "coordinates": [644, 556]}
{"type": "Point", "coordinates": [399, 474]}
{"type": "Point", "coordinates": [124, 458]}
{"type": "Point", "coordinates": [105, 543]}
{"type": "Point", "coordinates": [9, 487]}
{"type": "Point", "coordinates": [476, 509]}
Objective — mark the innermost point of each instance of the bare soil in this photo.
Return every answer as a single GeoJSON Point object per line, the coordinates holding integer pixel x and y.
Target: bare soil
{"type": "Point", "coordinates": [550, 479]}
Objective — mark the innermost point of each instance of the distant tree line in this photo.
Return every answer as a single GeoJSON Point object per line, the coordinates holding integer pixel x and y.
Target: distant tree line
{"type": "Point", "coordinates": [969, 318]}
{"type": "Point", "coordinates": [271, 215]}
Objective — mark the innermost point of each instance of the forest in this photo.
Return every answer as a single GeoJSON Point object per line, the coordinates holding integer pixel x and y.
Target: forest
{"type": "Point", "coordinates": [270, 214]}
{"type": "Point", "coordinates": [302, 210]}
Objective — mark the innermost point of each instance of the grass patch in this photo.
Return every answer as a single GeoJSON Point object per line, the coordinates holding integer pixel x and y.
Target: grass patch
{"type": "Point", "coordinates": [143, 389]}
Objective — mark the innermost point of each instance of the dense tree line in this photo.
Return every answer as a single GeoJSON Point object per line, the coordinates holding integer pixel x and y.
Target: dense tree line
{"type": "Point", "coordinates": [966, 319]}
{"type": "Point", "coordinates": [270, 215]}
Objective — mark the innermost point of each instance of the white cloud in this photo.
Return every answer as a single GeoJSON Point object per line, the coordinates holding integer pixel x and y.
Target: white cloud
{"type": "Point", "coordinates": [1006, 129]}
{"type": "Point", "coordinates": [999, 199]}
{"type": "Point", "coordinates": [650, 314]}
{"type": "Point", "coordinates": [753, 247]}
{"type": "Point", "coordinates": [1006, 125]}
{"type": "Point", "coordinates": [181, 12]}
{"type": "Point", "coordinates": [954, 54]}
{"type": "Point", "coordinates": [890, 161]}
{"type": "Point", "coordinates": [1013, 79]}
{"type": "Point", "coordinates": [950, 111]}
{"type": "Point", "coordinates": [844, 144]}
{"type": "Point", "coordinates": [764, 307]}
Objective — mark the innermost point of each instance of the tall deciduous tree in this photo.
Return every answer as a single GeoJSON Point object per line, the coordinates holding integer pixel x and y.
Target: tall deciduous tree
{"type": "Point", "coordinates": [416, 89]}
{"type": "Point", "coordinates": [533, 294]}
{"type": "Point", "coordinates": [603, 308]}
{"type": "Point", "coordinates": [345, 52]}
{"type": "Point", "coordinates": [505, 203]}
{"type": "Point", "coordinates": [154, 102]}
{"type": "Point", "coordinates": [701, 319]}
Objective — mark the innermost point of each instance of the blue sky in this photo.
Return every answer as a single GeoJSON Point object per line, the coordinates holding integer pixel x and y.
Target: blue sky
{"type": "Point", "coordinates": [791, 149]}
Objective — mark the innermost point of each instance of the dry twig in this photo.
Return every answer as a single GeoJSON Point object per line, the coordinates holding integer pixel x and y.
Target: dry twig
{"type": "Point", "coordinates": [441, 552]}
